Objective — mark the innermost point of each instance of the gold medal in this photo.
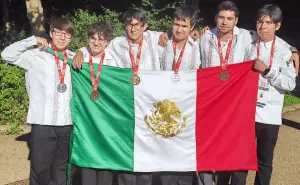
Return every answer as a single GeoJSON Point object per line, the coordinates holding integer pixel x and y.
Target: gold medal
{"type": "Point", "coordinates": [135, 80]}
{"type": "Point", "coordinates": [224, 76]}
{"type": "Point", "coordinates": [95, 95]}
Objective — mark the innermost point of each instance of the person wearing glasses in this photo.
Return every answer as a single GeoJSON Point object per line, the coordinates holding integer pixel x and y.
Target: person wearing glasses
{"type": "Point", "coordinates": [99, 36]}
{"type": "Point", "coordinates": [135, 25]}
{"type": "Point", "coordinates": [137, 50]}
{"type": "Point", "coordinates": [48, 83]}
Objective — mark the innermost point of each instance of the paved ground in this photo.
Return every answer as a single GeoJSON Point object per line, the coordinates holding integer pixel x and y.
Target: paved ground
{"type": "Point", "coordinates": [14, 163]}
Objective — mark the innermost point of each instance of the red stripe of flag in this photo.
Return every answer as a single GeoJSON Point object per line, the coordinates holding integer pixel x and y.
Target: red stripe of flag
{"type": "Point", "coordinates": [225, 127]}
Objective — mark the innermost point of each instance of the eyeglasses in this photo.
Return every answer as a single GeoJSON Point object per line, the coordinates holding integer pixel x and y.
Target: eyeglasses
{"type": "Point", "coordinates": [60, 33]}
{"type": "Point", "coordinates": [103, 41]}
{"type": "Point", "coordinates": [267, 23]}
{"type": "Point", "coordinates": [136, 26]}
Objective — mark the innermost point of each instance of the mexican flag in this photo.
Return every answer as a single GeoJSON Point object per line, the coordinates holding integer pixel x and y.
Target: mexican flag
{"type": "Point", "coordinates": [199, 123]}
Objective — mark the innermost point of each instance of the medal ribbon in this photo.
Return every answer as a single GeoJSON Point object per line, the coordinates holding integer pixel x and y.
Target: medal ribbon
{"type": "Point", "coordinates": [177, 64]}
{"type": "Point", "coordinates": [135, 64]}
{"type": "Point", "coordinates": [61, 72]}
{"type": "Point", "coordinates": [95, 82]}
{"type": "Point", "coordinates": [272, 51]}
{"type": "Point", "coordinates": [223, 61]}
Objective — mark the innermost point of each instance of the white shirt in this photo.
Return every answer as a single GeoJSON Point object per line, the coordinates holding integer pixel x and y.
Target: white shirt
{"type": "Point", "coordinates": [209, 46]}
{"type": "Point", "coordinates": [281, 78]}
{"type": "Point", "coordinates": [190, 60]}
{"type": "Point", "coordinates": [241, 40]}
{"type": "Point", "coordinates": [108, 59]}
{"type": "Point", "coordinates": [46, 105]}
{"type": "Point", "coordinates": [119, 50]}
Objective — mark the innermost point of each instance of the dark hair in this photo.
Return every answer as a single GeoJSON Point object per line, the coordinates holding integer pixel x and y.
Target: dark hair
{"type": "Point", "coordinates": [102, 29]}
{"type": "Point", "coordinates": [63, 24]}
{"type": "Point", "coordinates": [273, 11]}
{"type": "Point", "coordinates": [186, 12]}
{"type": "Point", "coordinates": [228, 5]}
{"type": "Point", "coordinates": [134, 13]}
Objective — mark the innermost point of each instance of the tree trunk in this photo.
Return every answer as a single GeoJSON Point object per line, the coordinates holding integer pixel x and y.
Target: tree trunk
{"type": "Point", "coordinates": [36, 17]}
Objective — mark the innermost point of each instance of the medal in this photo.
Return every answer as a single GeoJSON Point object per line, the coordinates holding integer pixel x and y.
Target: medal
{"type": "Point", "coordinates": [224, 75]}
{"type": "Point", "coordinates": [176, 65]}
{"type": "Point", "coordinates": [95, 95]}
{"type": "Point", "coordinates": [61, 87]}
{"type": "Point", "coordinates": [135, 80]}
{"type": "Point", "coordinates": [176, 77]}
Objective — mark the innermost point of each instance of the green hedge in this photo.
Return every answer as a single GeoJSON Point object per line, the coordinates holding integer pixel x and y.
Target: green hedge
{"type": "Point", "coordinates": [13, 95]}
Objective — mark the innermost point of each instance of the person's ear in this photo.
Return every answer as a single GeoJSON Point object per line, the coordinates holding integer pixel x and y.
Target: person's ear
{"type": "Point", "coordinates": [277, 26]}
{"type": "Point", "coordinates": [236, 21]}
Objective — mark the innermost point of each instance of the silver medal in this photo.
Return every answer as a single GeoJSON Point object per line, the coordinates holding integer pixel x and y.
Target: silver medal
{"type": "Point", "coordinates": [176, 77]}
{"type": "Point", "coordinates": [61, 87]}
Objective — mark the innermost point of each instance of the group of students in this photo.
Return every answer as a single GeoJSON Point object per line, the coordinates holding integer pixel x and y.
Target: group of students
{"type": "Point", "coordinates": [48, 83]}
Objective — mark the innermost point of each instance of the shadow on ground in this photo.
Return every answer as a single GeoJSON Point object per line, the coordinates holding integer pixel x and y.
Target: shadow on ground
{"type": "Point", "coordinates": [291, 124]}
{"type": "Point", "coordinates": [25, 138]}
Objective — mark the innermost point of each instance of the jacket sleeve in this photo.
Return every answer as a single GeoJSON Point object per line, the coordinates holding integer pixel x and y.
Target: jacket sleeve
{"type": "Point", "coordinates": [19, 54]}
{"type": "Point", "coordinates": [286, 77]}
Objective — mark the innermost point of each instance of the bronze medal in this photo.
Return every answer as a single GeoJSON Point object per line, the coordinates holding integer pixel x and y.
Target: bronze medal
{"type": "Point", "coordinates": [95, 95]}
{"type": "Point", "coordinates": [135, 80]}
{"type": "Point", "coordinates": [224, 76]}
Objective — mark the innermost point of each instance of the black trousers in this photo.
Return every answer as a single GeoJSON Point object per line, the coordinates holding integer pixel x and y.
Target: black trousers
{"type": "Point", "coordinates": [134, 178]}
{"type": "Point", "coordinates": [237, 177]}
{"type": "Point", "coordinates": [49, 154]}
{"type": "Point", "coordinates": [91, 176]}
{"type": "Point", "coordinates": [266, 138]}
{"type": "Point", "coordinates": [177, 178]}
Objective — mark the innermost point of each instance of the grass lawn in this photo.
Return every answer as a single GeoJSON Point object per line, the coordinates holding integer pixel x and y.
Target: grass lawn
{"type": "Point", "coordinates": [290, 99]}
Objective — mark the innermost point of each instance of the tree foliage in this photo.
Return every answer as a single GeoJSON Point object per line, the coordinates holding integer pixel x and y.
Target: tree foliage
{"type": "Point", "coordinates": [13, 95]}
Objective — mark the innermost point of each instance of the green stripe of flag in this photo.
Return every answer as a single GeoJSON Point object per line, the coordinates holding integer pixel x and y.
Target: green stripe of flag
{"type": "Point", "coordinates": [100, 138]}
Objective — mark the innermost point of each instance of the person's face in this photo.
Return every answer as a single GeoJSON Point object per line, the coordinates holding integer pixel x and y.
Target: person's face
{"type": "Point", "coordinates": [266, 28]}
{"type": "Point", "coordinates": [135, 29]}
{"type": "Point", "coordinates": [226, 20]}
{"type": "Point", "coordinates": [97, 44]}
{"type": "Point", "coordinates": [181, 29]}
{"type": "Point", "coordinates": [60, 39]}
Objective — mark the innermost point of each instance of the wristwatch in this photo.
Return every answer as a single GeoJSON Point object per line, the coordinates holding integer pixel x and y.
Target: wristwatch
{"type": "Point", "coordinates": [266, 71]}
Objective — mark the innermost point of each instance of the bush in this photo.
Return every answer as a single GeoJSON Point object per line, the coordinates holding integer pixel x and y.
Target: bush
{"type": "Point", "coordinates": [158, 20]}
{"type": "Point", "coordinates": [290, 99]}
{"type": "Point", "coordinates": [13, 97]}
{"type": "Point", "coordinates": [83, 18]}
{"type": "Point", "coordinates": [10, 36]}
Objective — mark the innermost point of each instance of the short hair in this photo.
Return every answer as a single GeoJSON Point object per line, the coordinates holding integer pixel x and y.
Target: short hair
{"type": "Point", "coordinates": [228, 5]}
{"type": "Point", "coordinates": [102, 29]}
{"type": "Point", "coordinates": [273, 11]}
{"type": "Point", "coordinates": [186, 12]}
{"type": "Point", "coordinates": [63, 24]}
{"type": "Point", "coordinates": [134, 13]}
